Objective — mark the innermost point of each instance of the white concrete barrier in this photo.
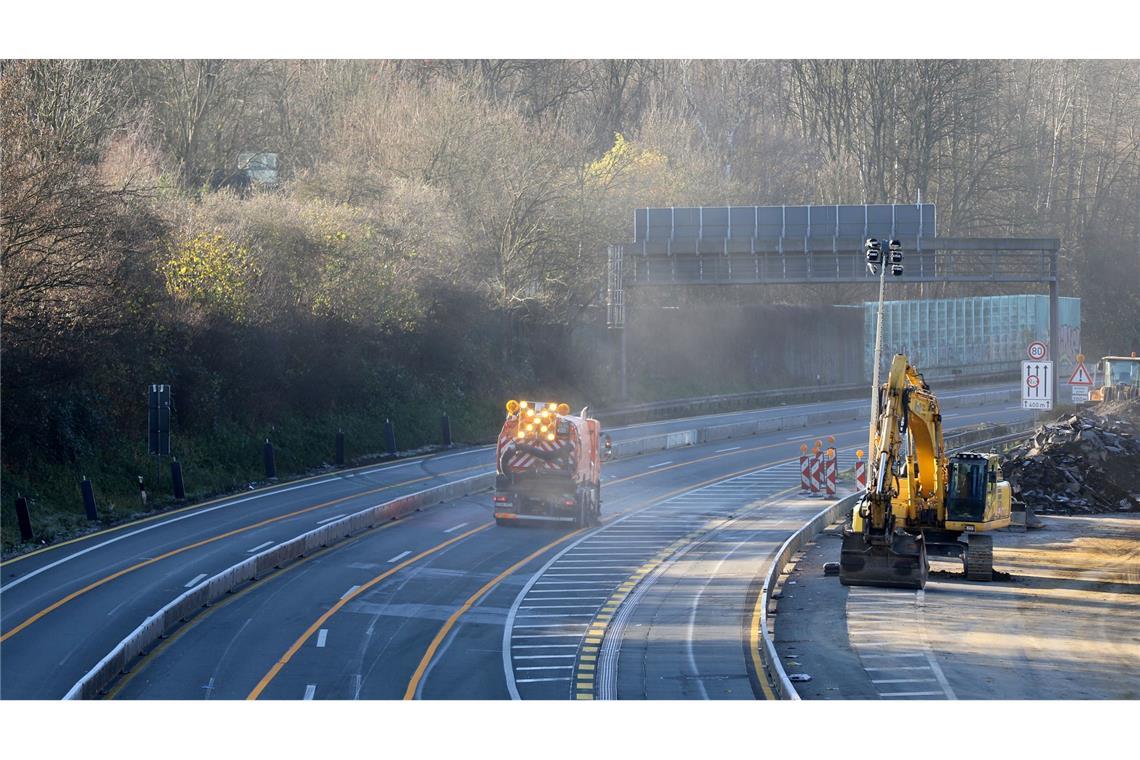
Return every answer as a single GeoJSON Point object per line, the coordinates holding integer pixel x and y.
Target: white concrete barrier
{"type": "Point", "coordinates": [774, 669]}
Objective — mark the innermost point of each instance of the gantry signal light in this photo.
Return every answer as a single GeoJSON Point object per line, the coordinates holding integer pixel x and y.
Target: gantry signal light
{"type": "Point", "coordinates": [874, 252]}
{"type": "Point", "coordinates": [895, 256]}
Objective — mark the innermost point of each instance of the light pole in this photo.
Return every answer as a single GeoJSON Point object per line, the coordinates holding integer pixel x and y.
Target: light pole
{"type": "Point", "coordinates": [876, 265]}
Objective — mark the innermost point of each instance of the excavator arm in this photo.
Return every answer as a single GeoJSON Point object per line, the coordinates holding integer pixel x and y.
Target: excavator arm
{"type": "Point", "coordinates": [908, 471]}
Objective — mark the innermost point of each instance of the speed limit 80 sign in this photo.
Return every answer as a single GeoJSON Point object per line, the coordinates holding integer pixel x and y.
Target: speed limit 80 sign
{"type": "Point", "coordinates": [1037, 351]}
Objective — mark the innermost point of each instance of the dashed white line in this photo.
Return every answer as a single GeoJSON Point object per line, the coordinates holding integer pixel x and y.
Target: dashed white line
{"type": "Point", "coordinates": [259, 547]}
{"type": "Point", "coordinates": [662, 464]}
{"type": "Point", "coordinates": [731, 448]}
{"type": "Point", "coordinates": [541, 680]}
{"type": "Point", "coordinates": [548, 667]}
{"type": "Point", "coordinates": [400, 556]}
{"type": "Point", "coordinates": [194, 580]}
{"type": "Point", "coordinates": [321, 636]}
{"type": "Point", "coordinates": [310, 691]}
{"type": "Point", "coordinates": [346, 593]}
{"type": "Point", "coordinates": [911, 694]}
{"type": "Point", "coordinates": [330, 519]}
{"type": "Point", "coordinates": [454, 528]}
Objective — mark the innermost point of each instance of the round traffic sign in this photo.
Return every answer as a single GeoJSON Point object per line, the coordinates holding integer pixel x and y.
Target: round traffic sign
{"type": "Point", "coordinates": [1032, 381]}
{"type": "Point", "coordinates": [1036, 350]}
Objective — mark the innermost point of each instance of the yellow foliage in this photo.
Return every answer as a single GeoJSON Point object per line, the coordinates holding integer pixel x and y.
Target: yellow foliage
{"type": "Point", "coordinates": [622, 157]}
{"type": "Point", "coordinates": [211, 271]}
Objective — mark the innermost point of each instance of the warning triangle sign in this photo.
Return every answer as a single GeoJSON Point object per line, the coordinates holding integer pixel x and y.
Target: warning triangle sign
{"type": "Point", "coordinates": [1081, 375]}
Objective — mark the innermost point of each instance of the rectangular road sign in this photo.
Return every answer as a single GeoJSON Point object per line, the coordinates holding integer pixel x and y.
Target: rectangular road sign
{"type": "Point", "coordinates": [1080, 394]}
{"type": "Point", "coordinates": [1037, 385]}
{"type": "Point", "coordinates": [158, 420]}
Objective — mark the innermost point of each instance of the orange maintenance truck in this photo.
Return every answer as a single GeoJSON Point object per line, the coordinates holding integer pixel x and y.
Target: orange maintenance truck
{"type": "Point", "coordinates": [547, 465]}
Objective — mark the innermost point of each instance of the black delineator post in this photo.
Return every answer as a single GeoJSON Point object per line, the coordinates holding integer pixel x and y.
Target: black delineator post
{"type": "Point", "coordinates": [88, 498]}
{"type": "Point", "coordinates": [24, 518]}
{"type": "Point", "coordinates": [445, 431]}
{"type": "Point", "coordinates": [340, 448]}
{"type": "Point", "coordinates": [270, 464]}
{"type": "Point", "coordinates": [176, 477]}
{"type": "Point", "coordinates": [390, 436]}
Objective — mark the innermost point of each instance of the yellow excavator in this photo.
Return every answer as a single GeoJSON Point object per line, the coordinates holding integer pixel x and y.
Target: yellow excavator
{"type": "Point", "coordinates": [918, 500]}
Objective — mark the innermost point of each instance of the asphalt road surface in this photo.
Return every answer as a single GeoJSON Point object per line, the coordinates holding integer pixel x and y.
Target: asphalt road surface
{"type": "Point", "coordinates": [422, 606]}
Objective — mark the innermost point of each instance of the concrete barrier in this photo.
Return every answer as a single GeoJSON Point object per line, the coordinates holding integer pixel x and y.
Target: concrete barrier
{"type": "Point", "coordinates": [120, 659]}
{"type": "Point", "coordinates": [773, 668]}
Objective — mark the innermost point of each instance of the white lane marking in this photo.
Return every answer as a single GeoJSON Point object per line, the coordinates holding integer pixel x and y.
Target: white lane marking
{"type": "Point", "coordinates": [321, 636]}
{"type": "Point", "coordinates": [400, 556]}
{"type": "Point", "coordinates": [911, 694]}
{"type": "Point", "coordinates": [902, 667]}
{"type": "Point", "coordinates": [346, 593]}
{"type": "Point", "coordinates": [545, 646]}
{"type": "Point", "coordinates": [903, 680]}
{"type": "Point", "coordinates": [731, 448]}
{"type": "Point", "coordinates": [661, 464]}
{"type": "Point", "coordinates": [454, 528]}
{"type": "Point", "coordinates": [553, 657]}
{"type": "Point", "coordinates": [541, 680]}
{"type": "Point", "coordinates": [194, 580]}
{"type": "Point", "coordinates": [259, 547]}
{"type": "Point", "coordinates": [878, 656]}
{"type": "Point", "coordinates": [548, 667]}
{"type": "Point", "coordinates": [330, 519]}
{"type": "Point", "coordinates": [559, 606]}
{"type": "Point", "coordinates": [310, 691]}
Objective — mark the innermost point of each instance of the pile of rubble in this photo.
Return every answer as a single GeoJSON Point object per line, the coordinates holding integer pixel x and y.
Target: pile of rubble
{"type": "Point", "coordinates": [1083, 463]}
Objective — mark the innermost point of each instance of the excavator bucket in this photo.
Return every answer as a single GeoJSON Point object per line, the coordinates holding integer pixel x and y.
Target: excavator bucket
{"type": "Point", "coordinates": [899, 564]}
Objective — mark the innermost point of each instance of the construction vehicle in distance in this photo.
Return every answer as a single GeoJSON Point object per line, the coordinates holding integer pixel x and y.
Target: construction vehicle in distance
{"type": "Point", "coordinates": [547, 466]}
{"type": "Point", "coordinates": [918, 500]}
{"type": "Point", "coordinates": [1121, 378]}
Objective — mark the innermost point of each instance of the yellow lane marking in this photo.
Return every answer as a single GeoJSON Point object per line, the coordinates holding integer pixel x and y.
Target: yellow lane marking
{"type": "Point", "coordinates": [199, 505]}
{"type": "Point", "coordinates": [754, 649]}
{"type": "Point", "coordinates": [150, 656]}
{"type": "Point", "coordinates": [599, 627]}
{"type": "Point", "coordinates": [285, 658]}
{"type": "Point", "coordinates": [107, 579]}
{"type": "Point", "coordinates": [417, 676]}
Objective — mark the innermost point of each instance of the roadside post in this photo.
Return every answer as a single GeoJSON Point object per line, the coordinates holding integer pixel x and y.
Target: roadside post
{"type": "Point", "coordinates": [88, 498]}
{"type": "Point", "coordinates": [445, 431]}
{"type": "Point", "coordinates": [390, 436]}
{"type": "Point", "coordinates": [860, 471]}
{"type": "Point", "coordinates": [176, 479]}
{"type": "Point", "coordinates": [24, 518]}
{"type": "Point", "coordinates": [270, 462]}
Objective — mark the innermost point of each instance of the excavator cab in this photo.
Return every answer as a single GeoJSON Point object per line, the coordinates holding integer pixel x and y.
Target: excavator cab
{"type": "Point", "coordinates": [966, 490]}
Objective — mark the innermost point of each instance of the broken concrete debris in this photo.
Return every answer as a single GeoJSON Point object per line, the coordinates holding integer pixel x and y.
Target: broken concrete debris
{"type": "Point", "coordinates": [1083, 463]}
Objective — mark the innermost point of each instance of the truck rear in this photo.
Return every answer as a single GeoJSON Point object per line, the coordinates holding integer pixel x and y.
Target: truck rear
{"type": "Point", "coordinates": [548, 466]}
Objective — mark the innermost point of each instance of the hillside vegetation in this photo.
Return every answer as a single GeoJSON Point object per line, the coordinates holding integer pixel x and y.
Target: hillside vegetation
{"type": "Point", "coordinates": [435, 242]}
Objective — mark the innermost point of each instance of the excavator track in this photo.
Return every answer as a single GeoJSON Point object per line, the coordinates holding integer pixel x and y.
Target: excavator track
{"type": "Point", "coordinates": [979, 558]}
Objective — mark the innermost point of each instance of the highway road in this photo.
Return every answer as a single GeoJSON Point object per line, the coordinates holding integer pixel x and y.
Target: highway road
{"type": "Point", "coordinates": [423, 606]}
